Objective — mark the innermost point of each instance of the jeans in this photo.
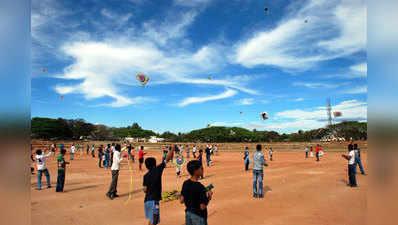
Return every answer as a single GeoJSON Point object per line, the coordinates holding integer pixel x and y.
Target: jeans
{"type": "Point", "coordinates": [106, 162]}
{"type": "Point", "coordinates": [306, 154]}
{"type": "Point", "coordinates": [193, 219]}
{"type": "Point", "coordinates": [258, 175]}
{"type": "Point", "coordinates": [99, 160]}
{"type": "Point", "coordinates": [71, 156]}
{"type": "Point", "coordinates": [246, 164]}
{"type": "Point", "coordinates": [351, 175]}
{"type": "Point", "coordinates": [208, 160]}
{"type": "Point", "coordinates": [39, 174]}
{"type": "Point", "coordinates": [113, 186]}
{"type": "Point", "coordinates": [317, 156]}
{"type": "Point", "coordinates": [60, 181]}
{"type": "Point", "coordinates": [359, 163]}
{"type": "Point", "coordinates": [152, 212]}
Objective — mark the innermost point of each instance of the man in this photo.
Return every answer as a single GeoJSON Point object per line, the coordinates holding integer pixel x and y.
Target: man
{"type": "Point", "coordinates": [117, 159]}
{"type": "Point", "coordinates": [41, 168]}
{"type": "Point", "coordinates": [317, 150]}
{"type": "Point", "coordinates": [306, 151]}
{"type": "Point", "coordinates": [208, 154]}
{"type": "Point", "coordinates": [358, 159]}
{"type": "Point", "coordinates": [72, 151]}
{"type": "Point", "coordinates": [351, 166]}
{"type": "Point", "coordinates": [100, 154]}
{"type": "Point", "coordinates": [258, 174]}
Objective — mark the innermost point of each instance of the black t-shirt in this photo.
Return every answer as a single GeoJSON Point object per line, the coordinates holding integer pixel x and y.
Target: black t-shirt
{"type": "Point", "coordinates": [194, 194]}
{"type": "Point", "coordinates": [153, 182]}
{"type": "Point", "coordinates": [208, 152]}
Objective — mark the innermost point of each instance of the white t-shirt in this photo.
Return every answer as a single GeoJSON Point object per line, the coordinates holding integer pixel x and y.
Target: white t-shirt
{"type": "Point", "coordinates": [72, 149]}
{"type": "Point", "coordinates": [306, 149]}
{"type": "Point", "coordinates": [41, 161]}
{"type": "Point", "coordinates": [352, 160]}
{"type": "Point", "coordinates": [116, 160]}
{"type": "Point", "coordinates": [194, 149]}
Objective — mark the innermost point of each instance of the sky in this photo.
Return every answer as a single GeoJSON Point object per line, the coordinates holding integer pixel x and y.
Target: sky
{"type": "Point", "coordinates": [218, 62]}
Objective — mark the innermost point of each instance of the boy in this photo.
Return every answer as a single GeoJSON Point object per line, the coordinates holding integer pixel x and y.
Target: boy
{"type": "Point", "coordinates": [270, 154]}
{"type": "Point", "coordinates": [194, 151]}
{"type": "Point", "coordinates": [200, 159]}
{"type": "Point", "coordinates": [141, 154]}
{"type": "Point", "coordinates": [117, 159]}
{"type": "Point", "coordinates": [41, 168]}
{"type": "Point", "coordinates": [208, 154]}
{"type": "Point", "coordinates": [351, 165]}
{"type": "Point", "coordinates": [195, 196]}
{"type": "Point", "coordinates": [100, 153]}
{"type": "Point", "coordinates": [306, 151]}
{"type": "Point", "coordinates": [153, 188]}
{"type": "Point", "coordinates": [258, 174]}
{"type": "Point", "coordinates": [93, 151]}
{"type": "Point", "coordinates": [358, 159]}
{"type": "Point", "coordinates": [61, 171]}
{"type": "Point", "coordinates": [317, 150]}
{"type": "Point", "coordinates": [187, 150]}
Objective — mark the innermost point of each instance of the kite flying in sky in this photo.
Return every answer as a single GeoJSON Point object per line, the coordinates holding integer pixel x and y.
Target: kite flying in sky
{"type": "Point", "coordinates": [143, 79]}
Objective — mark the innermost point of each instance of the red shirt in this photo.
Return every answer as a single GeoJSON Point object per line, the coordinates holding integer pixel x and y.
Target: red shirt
{"type": "Point", "coordinates": [141, 154]}
{"type": "Point", "coordinates": [318, 148]}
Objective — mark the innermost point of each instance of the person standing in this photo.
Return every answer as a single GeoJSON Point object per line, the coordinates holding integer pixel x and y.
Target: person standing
{"type": "Point", "coordinates": [61, 171]}
{"type": "Point", "coordinates": [93, 151]}
{"type": "Point", "coordinates": [317, 150]}
{"type": "Point", "coordinates": [208, 154]}
{"type": "Point", "coordinates": [107, 157]}
{"type": "Point", "coordinates": [194, 151]}
{"type": "Point", "coordinates": [195, 196]}
{"type": "Point", "coordinates": [258, 174]}
{"type": "Point", "coordinates": [117, 159]}
{"type": "Point", "coordinates": [311, 152]}
{"type": "Point", "coordinates": [270, 154]}
{"type": "Point", "coordinates": [246, 158]}
{"type": "Point", "coordinates": [87, 149]}
{"type": "Point", "coordinates": [358, 159]}
{"type": "Point", "coordinates": [216, 149]}
{"type": "Point", "coordinates": [200, 159]}
{"type": "Point", "coordinates": [306, 151]}
{"type": "Point", "coordinates": [187, 151]}
{"type": "Point", "coordinates": [41, 168]}
{"type": "Point", "coordinates": [72, 151]}
{"type": "Point", "coordinates": [141, 154]}
{"type": "Point", "coordinates": [351, 166]}
{"type": "Point", "coordinates": [100, 154]}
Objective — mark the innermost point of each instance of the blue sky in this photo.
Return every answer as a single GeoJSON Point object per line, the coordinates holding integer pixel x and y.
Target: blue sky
{"type": "Point", "coordinates": [258, 61]}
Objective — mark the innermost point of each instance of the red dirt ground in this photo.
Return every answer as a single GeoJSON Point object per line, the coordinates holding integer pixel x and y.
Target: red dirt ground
{"type": "Point", "coordinates": [298, 191]}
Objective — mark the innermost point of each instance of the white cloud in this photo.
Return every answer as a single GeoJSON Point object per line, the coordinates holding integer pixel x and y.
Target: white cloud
{"type": "Point", "coordinates": [298, 119]}
{"type": "Point", "coordinates": [224, 124]}
{"type": "Point", "coordinates": [299, 99]}
{"type": "Point", "coordinates": [294, 44]}
{"type": "Point", "coordinates": [315, 85]}
{"type": "Point", "coordinates": [191, 2]}
{"type": "Point", "coordinates": [246, 101]}
{"type": "Point", "coordinates": [192, 100]}
{"type": "Point", "coordinates": [357, 90]}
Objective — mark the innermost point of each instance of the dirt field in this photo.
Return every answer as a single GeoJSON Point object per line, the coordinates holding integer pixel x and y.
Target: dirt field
{"type": "Point", "coordinates": [297, 191]}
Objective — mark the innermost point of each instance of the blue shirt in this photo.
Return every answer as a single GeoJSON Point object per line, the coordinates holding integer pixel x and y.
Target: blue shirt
{"type": "Point", "coordinates": [258, 161]}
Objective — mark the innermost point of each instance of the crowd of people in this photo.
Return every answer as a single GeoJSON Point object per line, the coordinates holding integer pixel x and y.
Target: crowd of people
{"type": "Point", "coordinates": [193, 194]}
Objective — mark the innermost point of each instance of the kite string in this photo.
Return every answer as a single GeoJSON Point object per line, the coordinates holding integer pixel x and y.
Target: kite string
{"type": "Point", "coordinates": [131, 182]}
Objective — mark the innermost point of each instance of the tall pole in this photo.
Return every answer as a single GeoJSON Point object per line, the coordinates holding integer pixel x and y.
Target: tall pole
{"type": "Point", "coordinates": [329, 111]}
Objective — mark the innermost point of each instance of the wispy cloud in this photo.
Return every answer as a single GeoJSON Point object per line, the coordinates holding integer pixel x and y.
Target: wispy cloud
{"type": "Point", "coordinates": [192, 100]}
{"type": "Point", "coordinates": [299, 99]}
{"type": "Point", "coordinates": [245, 101]}
{"type": "Point", "coordinates": [294, 44]}
{"type": "Point", "coordinates": [315, 85]}
{"type": "Point", "coordinates": [357, 90]}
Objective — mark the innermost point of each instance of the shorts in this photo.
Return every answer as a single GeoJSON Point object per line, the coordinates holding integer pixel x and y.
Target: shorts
{"type": "Point", "coordinates": [193, 219]}
{"type": "Point", "coordinates": [141, 160]}
{"type": "Point", "coordinates": [152, 212]}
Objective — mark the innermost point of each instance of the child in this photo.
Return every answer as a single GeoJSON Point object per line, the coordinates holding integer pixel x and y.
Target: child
{"type": "Point", "coordinates": [311, 154]}
{"type": "Point", "coordinates": [153, 188]}
{"type": "Point", "coordinates": [93, 151]}
{"type": "Point", "coordinates": [88, 149]}
{"type": "Point", "coordinates": [194, 151]}
{"type": "Point", "coordinates": [200, 159]}
{"type": "Point", "coordinates": [270, 154]}
{"type": "Point", "coordinates": [141, 154]}
{"type": "Point", "coordinates": [117, 159]}
{"type": "Point", "coordinates": [306, 151]}
{"type": "Point", "coordinates": [61, 171]}
{"type": "Point", "coordinates": [195, 196]}
{"type": "Point", "coordinates": [246, 158]}
{"type": "Point", "coordinates": [107, 158]}
{"type": "Point", "coordinates": [216, 149]}
{"type": "Point", "coordinates": [351, 166]}
{"type": "Point", "coordinates": [258, 174]}
{"type": "Point", "coordinates": [208, 154]}
{"type": "Point", "coordinates": [187, 150]}
{"type": "Point", "coordinates": [41, 168]}
{"type": "Point", "coordinates": [165, 152]}
{"type": "Point", "coordinates": [317, 151]}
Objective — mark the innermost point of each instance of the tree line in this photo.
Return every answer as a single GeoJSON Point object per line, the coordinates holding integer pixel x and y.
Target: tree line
{"type": "Point", "coordinates": [75, 129]}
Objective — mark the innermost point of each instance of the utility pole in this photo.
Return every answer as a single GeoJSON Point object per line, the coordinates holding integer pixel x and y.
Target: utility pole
{"type": "Point", "coordinates": [329, 112]}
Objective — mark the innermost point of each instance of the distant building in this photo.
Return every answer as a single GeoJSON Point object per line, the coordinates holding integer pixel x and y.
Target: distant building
{"type": "Point", "coordinates": [155, 139]}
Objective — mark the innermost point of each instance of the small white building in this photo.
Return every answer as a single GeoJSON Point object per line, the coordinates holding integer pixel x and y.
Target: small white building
{"type": "Point", "coordinates": [155, 139]}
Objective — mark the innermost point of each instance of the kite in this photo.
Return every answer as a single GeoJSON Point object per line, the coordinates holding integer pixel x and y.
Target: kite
{"type": "Point", "coordinates": [209, 78]}
{"type": "Point", "coordinates": [62, 97]}
{"type": "Point", "coordinates": [143, 79]}
{"type": "Point", "coordinates": [266, 9]}
{"type": "Point", "coordinates": [264, 115]}
{"type": "Point", "coordinates": [44, 70]}
{"type": "Point", "coordinates": [337, 114]}
{"type": "Point", "coordinates": [241, 112]}
{"type": "Point", "coordinates": [305, 21]}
